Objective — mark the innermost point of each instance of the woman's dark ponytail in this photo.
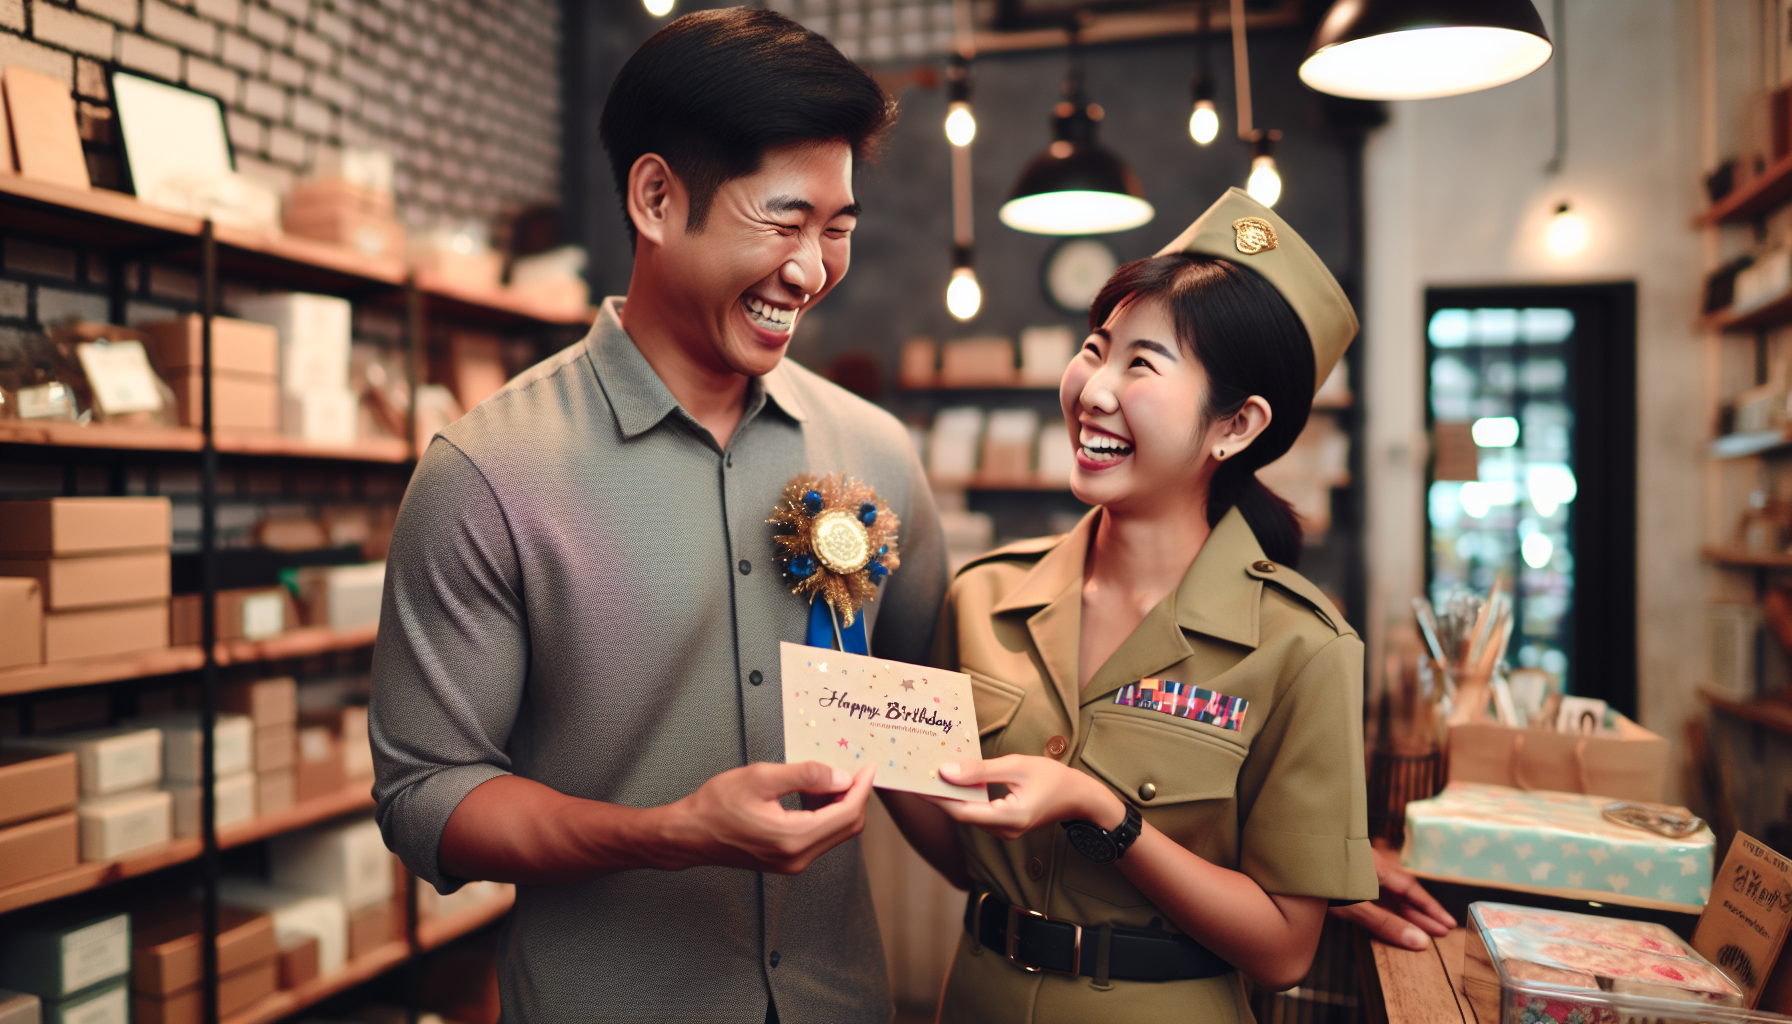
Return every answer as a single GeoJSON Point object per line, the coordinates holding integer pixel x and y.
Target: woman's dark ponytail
{"type": "Point", "coordinates": [1250, 342]}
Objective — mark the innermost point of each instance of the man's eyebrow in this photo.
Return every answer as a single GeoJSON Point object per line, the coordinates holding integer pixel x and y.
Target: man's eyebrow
{"type": "Point", "coordinates": [785, 204]}
{"type": "Point", "coordinates": [849, 210]}
{"type": "Point", "coordinates": [1155, 346]}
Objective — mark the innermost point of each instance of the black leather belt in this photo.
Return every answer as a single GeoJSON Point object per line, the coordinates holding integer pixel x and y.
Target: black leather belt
{"type": "Point", "coordinates": [1035, 942]}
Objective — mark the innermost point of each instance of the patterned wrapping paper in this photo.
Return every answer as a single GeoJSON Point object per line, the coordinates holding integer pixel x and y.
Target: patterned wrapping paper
{"type": "Point", "coordinates": [1514, 951]}
{"type": "Point", "coordinates": [1553, 842]}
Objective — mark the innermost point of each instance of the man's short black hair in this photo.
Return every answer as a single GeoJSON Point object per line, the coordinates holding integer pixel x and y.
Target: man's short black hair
{"type": "Point", "coordinates": [713, 90]}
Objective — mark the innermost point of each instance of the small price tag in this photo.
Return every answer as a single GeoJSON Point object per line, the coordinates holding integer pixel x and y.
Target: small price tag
{"type": "Point", "coordinates": [1743, 928]}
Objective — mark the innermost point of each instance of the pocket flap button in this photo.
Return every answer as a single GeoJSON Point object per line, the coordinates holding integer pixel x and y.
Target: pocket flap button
{"type": "Point", "coordinates": [1056, 746]}
{"type": "Point", "coordinates": [1147, 790]}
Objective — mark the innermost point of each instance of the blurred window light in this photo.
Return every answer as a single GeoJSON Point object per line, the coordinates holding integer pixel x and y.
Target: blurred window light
{"type": "Point", "coordinates": [1495, 431]}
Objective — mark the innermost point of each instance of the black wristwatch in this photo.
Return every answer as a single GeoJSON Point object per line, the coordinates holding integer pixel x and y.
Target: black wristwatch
{"type": "Point", "coordinates": [1100, 845]}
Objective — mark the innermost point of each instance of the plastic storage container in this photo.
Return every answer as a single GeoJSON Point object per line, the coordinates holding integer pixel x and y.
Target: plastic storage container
{"type": "Point", "coordinates": [1522, 965]}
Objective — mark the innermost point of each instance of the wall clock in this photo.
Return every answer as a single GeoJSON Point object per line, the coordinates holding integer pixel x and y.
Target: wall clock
{"type": "Point", "coordinates": [1074, 271]}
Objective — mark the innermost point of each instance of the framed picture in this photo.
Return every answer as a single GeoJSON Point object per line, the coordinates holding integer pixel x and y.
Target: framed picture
{"type": "Point", "coordinates": [170, 133]}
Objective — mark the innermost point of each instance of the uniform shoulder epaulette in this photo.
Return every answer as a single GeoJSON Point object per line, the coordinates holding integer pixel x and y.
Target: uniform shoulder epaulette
{"type": "Point", "coordinates": [1021, 550]}
{"type": "Point", "coordinates": [1299, 587]}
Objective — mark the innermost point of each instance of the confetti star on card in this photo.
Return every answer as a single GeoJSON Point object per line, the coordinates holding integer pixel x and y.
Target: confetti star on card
{"type": "Point", "coordinates": [908, 684]}
{"type": "Point", "coordinates": [843, 741]}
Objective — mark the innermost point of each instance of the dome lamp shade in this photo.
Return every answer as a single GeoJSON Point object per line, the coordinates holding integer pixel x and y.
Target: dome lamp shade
{"type": "Point", "coordinates": [1422, 49]}
{"type": "Point", "coordinates": [1076, 186]}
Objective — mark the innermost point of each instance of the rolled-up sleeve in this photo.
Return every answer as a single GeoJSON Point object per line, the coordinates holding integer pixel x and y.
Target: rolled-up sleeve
{"type": "Point", "coordinates": [451, 658]}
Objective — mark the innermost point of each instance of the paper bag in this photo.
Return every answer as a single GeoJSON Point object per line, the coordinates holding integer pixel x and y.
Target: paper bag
{"type": "Point", "coordinates": [1633, 765]}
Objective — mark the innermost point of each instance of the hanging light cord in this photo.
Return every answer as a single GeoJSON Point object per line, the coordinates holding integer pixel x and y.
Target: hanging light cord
{"type": "Point", "coordinates": [1560, 56]}
{"type": "Point", "coordinates": [1241, 70]}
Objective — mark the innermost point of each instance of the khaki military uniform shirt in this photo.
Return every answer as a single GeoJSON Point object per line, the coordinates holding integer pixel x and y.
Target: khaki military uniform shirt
{"type": "Point", "coordinates": [1280, 799]}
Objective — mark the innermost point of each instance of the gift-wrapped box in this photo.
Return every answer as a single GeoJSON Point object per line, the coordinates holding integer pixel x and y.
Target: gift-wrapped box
{"type": "Point", "coordinates": [1555, 843]}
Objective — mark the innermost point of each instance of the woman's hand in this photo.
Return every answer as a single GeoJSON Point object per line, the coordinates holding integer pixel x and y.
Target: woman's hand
{"type": "Point", "coordinates": [1041, 792]}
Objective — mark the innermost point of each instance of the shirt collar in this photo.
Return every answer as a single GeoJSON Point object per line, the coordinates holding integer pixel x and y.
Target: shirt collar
{"type": "Point", "coordinates": [1218, 597]}
{"type": "Point", "coordinates": [637, 396]}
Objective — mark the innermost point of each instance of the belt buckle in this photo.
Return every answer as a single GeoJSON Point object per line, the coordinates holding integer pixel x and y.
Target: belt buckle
{"type": "Point", "coordinates": [1076, 946]}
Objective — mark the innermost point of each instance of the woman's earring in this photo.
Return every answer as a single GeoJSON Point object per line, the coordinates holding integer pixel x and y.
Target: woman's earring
{"type": "Point", "coordinates": [1220, 453]}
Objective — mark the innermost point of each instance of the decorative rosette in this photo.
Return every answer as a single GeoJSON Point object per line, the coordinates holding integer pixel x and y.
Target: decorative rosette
{"type": "Point", "coordinates": [836, 540]}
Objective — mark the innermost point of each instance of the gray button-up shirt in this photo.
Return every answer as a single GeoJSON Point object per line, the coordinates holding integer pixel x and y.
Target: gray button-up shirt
{"type": "Point", "coordinates": [583, 590]}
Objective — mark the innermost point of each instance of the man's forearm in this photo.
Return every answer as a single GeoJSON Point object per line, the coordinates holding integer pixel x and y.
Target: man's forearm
{"type": "Point", "coordinates": [512, 829]}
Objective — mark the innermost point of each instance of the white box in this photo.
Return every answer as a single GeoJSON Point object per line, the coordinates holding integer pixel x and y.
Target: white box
{"type": "Point", "coordinates": [111, 760]}
{"type": "Point", "coordinates": [235, 803]}
{"type": "Point", "coordinates": [113, 826]}
{"type": "Point", "coordinates": [352, 595]}
{"type": "Point", "coordinates": [297, 916]}
{"type": "Point", "coordinates": [315, 332]}
{"type": "Point", "coordinates": [350, 862]}
{"type": "Point", "coordinates": [183, 745]}
{"type": "Point", "coordinates": [357, 749]}
{"type": "Point", "coordinates": [321, 415]}
{"type": "Point", "coordinates": [1044, 353]}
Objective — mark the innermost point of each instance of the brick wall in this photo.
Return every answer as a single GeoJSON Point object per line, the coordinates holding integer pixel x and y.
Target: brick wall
{"type": "Point", "coordinates": [464, 93]}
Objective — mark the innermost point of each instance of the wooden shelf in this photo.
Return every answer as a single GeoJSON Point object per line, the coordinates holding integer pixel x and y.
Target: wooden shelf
{"type": "Point", "coordinates": [1771, 314]}
{"type": "Point", "coordinates": [497, 304]}
{"type": "Point", "coordinates": [1772, 713]}
{"type": "Point", "coordinates": [373, 449]}
{"type": "Point", "coordinates": [83, 215]}
{"type": "Point", "coordinates": [1755, 559]}
{"type": "Point", "coordinates": [1742, 446]}
{"type": "Point", "coordinates": [1772, 188]}
{"type": "Point", "coordinates": [49, 432]}
{"type": "Point", "coordinates": [87, 671]}
{"type": "Point", "coordinates": [263, 249]}
{"type": "Point", "coordinates": [355, 796]}
{"type": "Point", "coordinates": [433, 932]}
{"type": "Point", "coordinates": [298, 643]}
{"type": "Point", "coordinates": [286, 1003]}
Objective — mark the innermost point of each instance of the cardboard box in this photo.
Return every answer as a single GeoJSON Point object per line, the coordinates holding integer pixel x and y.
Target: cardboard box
{"type": "Point", "coordinates": [266, 702]}
{"type": "Point", "coordinates": [372, 927]}
{"type": "Point", "coordinates": [318, 770]}
{"type": "Point", "coordinates": [19, 1007]}
{"type": "Point", "coordinates": [297, 917]}
{"type": "Point", "coordinates": [115, 826]}
{"type": "Point", "coordinates": [350, 862]}
{"type": "Point", "coordinates": [236, 991]}
{"type": "Point", "coordinates": [248, 405]}
{"type": "Point", "coordinates": [322, 195]}
{"type": "Point", "coordinates": [241, 348]}
{"type": "Point", "coordinates": [183, 742]}
{"type": "Point", "coordinates": [22, 609]}
{"type": "Point", "coordinates": [109, 1004]}
{"type": "Point", "coordinates": [35, 783]}
{"type": "Point", "coordinates": [1632, 765]}
{"type": "Point", "coordinates": [978, 362]}
{"type": "Point", "coordinates": [84, 526]}
{"type": "Point", "coordinates": [249, 613]}
{"type": "Point", "coordinates": [275, 791]}
{"type": "Point", "coordinates": [298, 964]}
{"type": "Point", "coordinates": [58, 956]}
{"type": "Point", "coordinates": [95, 581]}
{"type": "Point", "coordinates": [314, 337]}
{"type": "Point", "coordinates": [234, 803]}
{"type": "Point", "coordinates": [372, 235]}
{"type": "Point", "coordinates": [166, 945]}
{"type": "Point", "coordinates": [357, 749]}
{"type": "Point", "coordinates": [45, 137]}
{"type": "Point", "coordinates": [321, 415]}
{"type": "Point", "coordinates": [110, 760]}
{"type": "Point", "coordinates": [276, 747]}
{"type": "Point", "coordinates": [40, 847]}
{"type": "Point", "coordinates": [103, 632]}
{"type": "Point", "coordinates": [342, 596]}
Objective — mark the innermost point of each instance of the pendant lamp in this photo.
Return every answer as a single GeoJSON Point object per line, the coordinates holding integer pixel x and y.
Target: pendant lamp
{"type": "Point", "coordinates": [1420, 49]}
{"type": "Point", "coordinates": [1076, 186]}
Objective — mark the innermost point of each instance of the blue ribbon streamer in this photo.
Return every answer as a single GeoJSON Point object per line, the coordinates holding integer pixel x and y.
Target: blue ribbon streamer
{"type": "Point", "coordinates": [821, 630]}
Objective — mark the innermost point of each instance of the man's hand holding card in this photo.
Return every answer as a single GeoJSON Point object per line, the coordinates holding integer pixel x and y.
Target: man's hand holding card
{"type": "Point", "coordinates": [848, 710]}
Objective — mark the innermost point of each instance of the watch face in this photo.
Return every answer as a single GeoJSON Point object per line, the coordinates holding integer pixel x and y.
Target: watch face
{"type": "Point", "coordinates": [1075, 270]}
{"type": "Point", "coordinates": [1091, 842]}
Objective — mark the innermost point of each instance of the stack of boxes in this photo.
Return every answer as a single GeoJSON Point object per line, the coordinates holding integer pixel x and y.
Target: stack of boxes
{"type": "Point", "coordinates": [75, 968]}
{"type": "Point", "coordinates": [317, 403]}
{"type": "Point", "coordinates": [166, 969]}
{"type": "Point", "coordinates": [121, 810]}
{"type": "Point", "coordinates": [39, 831]}
{"type": "Point", "coordinates": [348, 863]}
{"type": "Point", "coordinates": [311, 930]}
{"type": "Point", "coordinates": [341, 597]}
{"type": "Point", "coordinates": [271, 706]}
{"type": "Point", "coordinates": [99, 567]}
{"type": "Point", "coordinates": [233, 764]}
{"type": "Point", "coordinates": [245, 371]}
{"type": "Point", "coordinates": [349, 204]}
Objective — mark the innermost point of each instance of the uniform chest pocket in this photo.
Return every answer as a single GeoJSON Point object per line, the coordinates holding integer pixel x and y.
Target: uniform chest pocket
{"type": "Point", "coordinates": [996, 702]}
{"type": "Point", "coordinates": [1183, 780]}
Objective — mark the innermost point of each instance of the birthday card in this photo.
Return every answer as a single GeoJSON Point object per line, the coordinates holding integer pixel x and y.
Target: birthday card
{"type": "Point", "coordinates": [847, 710]}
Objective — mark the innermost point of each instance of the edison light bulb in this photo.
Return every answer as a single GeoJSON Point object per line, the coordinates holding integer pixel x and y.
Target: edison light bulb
{"type": "Point", "coordinates": [658, 8]}
{"type": "Point", "coordinates": [961, 126]}
{"type": "Point", "coordinates": [964, 296]}
{"type": "Point", "coordinates": [1265, 184]}
{"type": "Point", "coordinates": [1204, 123]}
{"type": "Point", "coordinates": [1566, 233]}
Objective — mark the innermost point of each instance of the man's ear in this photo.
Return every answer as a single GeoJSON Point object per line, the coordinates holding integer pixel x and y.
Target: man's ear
{"type": "Point", "coordinates": [656, 198]}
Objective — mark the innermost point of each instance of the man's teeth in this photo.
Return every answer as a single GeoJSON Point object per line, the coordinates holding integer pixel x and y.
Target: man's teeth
{"type": "Point", "coordinates": [1104, 447]}
{"type": "Point", "coordinates": [774, 317]}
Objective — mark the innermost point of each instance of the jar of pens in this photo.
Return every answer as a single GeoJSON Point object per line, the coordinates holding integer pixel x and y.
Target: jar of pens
{"type": "Point", "coordinates": [1448, 678]}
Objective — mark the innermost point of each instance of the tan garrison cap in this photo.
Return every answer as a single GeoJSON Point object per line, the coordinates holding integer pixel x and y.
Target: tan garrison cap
{"type": "Point", "coordinates": [1240, 229]}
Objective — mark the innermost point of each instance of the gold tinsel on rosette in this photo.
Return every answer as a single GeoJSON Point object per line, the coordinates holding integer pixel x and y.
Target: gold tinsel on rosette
{"type": "Point", "coordinates": [836, 540]}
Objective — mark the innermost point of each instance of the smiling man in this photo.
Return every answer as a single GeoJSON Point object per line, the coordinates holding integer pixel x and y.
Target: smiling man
{"type": "Point", "coordinates": [576, 678]}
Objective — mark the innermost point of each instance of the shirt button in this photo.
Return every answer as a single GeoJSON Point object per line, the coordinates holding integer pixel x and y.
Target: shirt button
{"type": "Point", "coordinates": [774, 958]}
{"type": "Point", "coordinates": [728, 460]}
{"type": "Point", "coordinates": [1264, 566]}
{"type": "Point", "coordinates": [1056, 746]}
{"type": "Point", "coordinates": [1035, 868]}
{"type": "Point", "coordinates": [746, 567]}
{"type": "Point", "coordinates": [1147, 790]}
{"type": "Point", "coordinates": [755, 677]}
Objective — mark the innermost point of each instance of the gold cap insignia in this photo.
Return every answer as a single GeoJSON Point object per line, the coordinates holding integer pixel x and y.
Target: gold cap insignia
{"type": "Point", "coordinates": [1255, 235]}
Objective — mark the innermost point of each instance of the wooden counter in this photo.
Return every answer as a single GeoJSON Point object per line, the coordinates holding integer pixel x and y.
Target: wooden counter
{"type": "Point", "coordinates": [1405, 987]}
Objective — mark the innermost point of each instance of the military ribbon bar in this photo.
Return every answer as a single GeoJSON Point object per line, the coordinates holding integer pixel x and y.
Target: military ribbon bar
{"type": "Point", "coordinates": [1184, 701]}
